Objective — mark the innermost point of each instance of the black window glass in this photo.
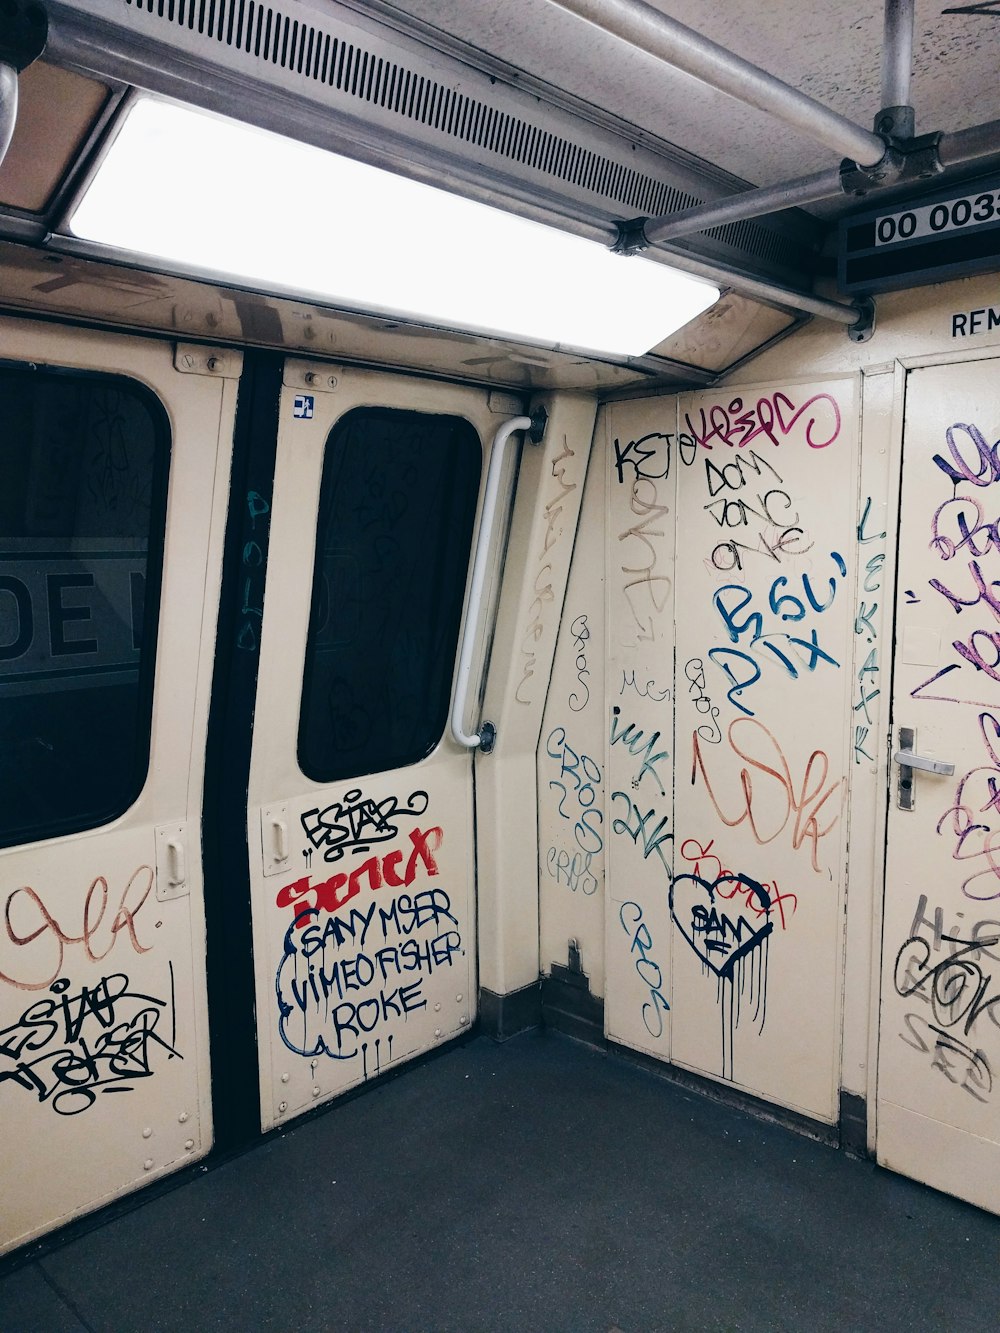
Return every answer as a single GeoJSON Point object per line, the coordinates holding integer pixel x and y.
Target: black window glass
{"type": "Point", "coordinates": [83, 462]}
{"type": "Point", "coordinates": [397, 508]}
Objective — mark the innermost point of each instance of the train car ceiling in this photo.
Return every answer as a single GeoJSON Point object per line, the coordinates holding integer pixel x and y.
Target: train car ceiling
{"type": "Point", "coordinates": [398, 102]}
{"type": "Point", "coordinates": [595, 116]}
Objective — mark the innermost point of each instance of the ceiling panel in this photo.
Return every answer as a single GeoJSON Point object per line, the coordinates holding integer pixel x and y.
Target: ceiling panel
{"type": "Point", "coordinates": [56, 111]}
{"type": "Point", "coordinates": [830, 49]}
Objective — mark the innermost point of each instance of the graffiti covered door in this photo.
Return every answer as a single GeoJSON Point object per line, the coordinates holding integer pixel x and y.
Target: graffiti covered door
{"type": "Point", "coordinates": [361, 807]}
{"type": "Point", "coordinates": [114, 456]}
{"type": "Point", "coordinates": [939, 1040]}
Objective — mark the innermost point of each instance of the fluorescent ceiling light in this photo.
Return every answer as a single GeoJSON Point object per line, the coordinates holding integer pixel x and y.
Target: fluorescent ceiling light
{"type": "Point", "coordinates": [212, 194]}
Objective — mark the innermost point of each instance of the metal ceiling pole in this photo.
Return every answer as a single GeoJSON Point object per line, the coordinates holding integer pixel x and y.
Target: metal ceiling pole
{"type": "Point", "coordinates": [897, 53]}
{"type": "Point", "coordinates": [750, 204]}
{"type": "Point", "coordinates": [8, 107]}
{"type": "Point", "coordinates": [721, 276]}
{"type": "Point", "coordinates": [967, 145]}
{"type": "Point", "coordinates": [647, 29]}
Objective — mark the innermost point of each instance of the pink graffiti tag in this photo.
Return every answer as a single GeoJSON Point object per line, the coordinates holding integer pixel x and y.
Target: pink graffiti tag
{"type": "Point", "coordinates": [772, 417]}
{"type": "Point", "coordinates": [977, 796]}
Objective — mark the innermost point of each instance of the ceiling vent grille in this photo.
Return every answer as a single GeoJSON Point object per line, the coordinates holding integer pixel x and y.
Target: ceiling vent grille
{"type": "Point", "coordinates": [264, 33]}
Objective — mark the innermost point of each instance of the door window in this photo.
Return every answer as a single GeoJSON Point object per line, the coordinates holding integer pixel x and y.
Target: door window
{"type": "Point", "coordinates": [397, 508]}
{"type": "Point", "coordinates": [83, 459]}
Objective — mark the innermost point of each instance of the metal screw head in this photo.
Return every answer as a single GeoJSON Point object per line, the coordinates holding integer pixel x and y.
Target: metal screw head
{"type": "Point", "coordinates": [183, 1117]}
{"type": "Point", "coordinates": [147, 1133]}
{"type": "Point", "coordinates": [188, 1144]}
{"type": "Point", "coordinates": [315, 1092]}
{"type": "Point", "coordinates": [285, 1078]}
{"type": "Point", "coordinates": [213, 363]}
{"type": "Point", "coordinates": [309, 377]}
{"type": "Point", "coordinates": [332, 381]}
{"type": "Point", "coordinates": [282, 1107]}
{"type": "Point", "coordinates": [147, 1164]}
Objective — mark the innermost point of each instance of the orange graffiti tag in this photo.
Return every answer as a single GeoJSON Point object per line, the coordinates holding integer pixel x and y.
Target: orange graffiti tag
{"type": "Point", "coordinates": [769, 806]}
{"type": "Point", "coordinates": [27, 921]}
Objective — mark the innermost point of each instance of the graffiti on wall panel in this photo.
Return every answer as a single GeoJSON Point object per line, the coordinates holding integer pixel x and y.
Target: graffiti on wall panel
{"type": "Point", "coordinates": [730, 941]}
{"type": "Point", "coordinates": [648, 970]}
{"type": "Point", "coordinates": [82, 1038]}
{"type": "Point", "coordinates": [38, 940]}
{"type": "Point", "coordinates": [770, 795]}
{"type": "Point", "coordinates": [773, 418]}
{"type": "Point", "coordinates": [576, 779]}
{"type": "Point", "coordinates": [640, 722]}
{"type": "Point", "coordinates": [771, 586]}
{"type": "Point", "coordinates": [81, 1041]}
{"type": "Point", "coordinates": [965, 541]}
{"type": "Point", "coordinates": [540, 610]}
{"type": "Point", "coordinates": [356, 822]}
{"type": "Point", "coordinates": [872, 549]}
{"type": "Point", "coordinates": [946, 971]}
{"type": "Point", "coordinates": [361, 944]}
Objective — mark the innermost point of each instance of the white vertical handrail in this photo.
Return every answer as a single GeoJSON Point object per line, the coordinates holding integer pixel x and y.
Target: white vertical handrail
{"type": "Point", "coordinates": [8, 106]}
{"type": "Point", "coordinates": [484, 544]}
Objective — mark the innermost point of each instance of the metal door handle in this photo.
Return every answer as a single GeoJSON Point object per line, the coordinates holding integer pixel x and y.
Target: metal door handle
{"type": "Point", "coordinates": [907, 759]}
{"type": "Point", "coordinates": [280, 830]}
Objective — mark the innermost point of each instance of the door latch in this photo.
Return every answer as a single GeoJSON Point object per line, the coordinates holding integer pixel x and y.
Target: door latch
{"type": "Point", "coordinates": [908, 760]}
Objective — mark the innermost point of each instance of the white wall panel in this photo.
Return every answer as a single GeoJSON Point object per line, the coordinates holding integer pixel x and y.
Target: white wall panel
{"type": "Point", "coordinates": [765, 606]}
{"type": "Point", "coordinates": [640, 460]}
{"type": "Point", "coordinates": [572, 800]}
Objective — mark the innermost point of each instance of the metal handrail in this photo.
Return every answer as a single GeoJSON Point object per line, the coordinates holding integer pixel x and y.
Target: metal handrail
{"type": "Point", "coordinates": [8, 106]}
{"type": "Point", "coordinates": [484, 543]}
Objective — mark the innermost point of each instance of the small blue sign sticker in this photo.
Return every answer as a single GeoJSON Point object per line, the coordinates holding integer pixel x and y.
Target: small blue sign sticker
{"type": "Point", "coordinates": [303, 406]}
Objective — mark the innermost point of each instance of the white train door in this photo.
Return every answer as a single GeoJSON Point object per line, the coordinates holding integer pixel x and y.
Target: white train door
{"type": "Point", "coordinates": [115, 455]}
{"type": "Point", "coordinates": [939, 1045]}
{"type": "Point", "coordinates": [360, 805]}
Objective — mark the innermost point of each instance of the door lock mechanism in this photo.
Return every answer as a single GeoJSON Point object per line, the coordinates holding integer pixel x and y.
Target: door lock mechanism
{"type": "Point", "coordinates": [908, 760]}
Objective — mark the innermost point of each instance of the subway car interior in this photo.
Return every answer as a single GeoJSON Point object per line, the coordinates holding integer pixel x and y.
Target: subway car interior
{"type": "Point", "coordinates": [523, 934]}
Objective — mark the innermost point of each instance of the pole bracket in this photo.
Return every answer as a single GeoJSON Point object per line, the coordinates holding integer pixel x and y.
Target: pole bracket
{"type": "Point", "coordinates": [886, 171]}
{"type": "Point", "coordinates": [923, 158]}
{"type": "Point", "coordinates": [864, 326]}
{"type": "Point", "coordinates": [539, 420]}
{"type": "Point", "coordinates": [631, 238]}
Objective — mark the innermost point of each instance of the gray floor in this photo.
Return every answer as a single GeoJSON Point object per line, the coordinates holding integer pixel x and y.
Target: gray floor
{"type": "Point", "coordinates": [538, 1185]}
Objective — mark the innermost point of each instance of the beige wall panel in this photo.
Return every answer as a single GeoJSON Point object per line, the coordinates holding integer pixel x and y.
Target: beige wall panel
{"type": "Point", "coordinates": [640, 461]}
{"type": "Point", "coordinates": [549, 492]}
{"type": "Point", "coordinates": [572, 801]}
{"type": "Point", "coordinates": [766, 549]}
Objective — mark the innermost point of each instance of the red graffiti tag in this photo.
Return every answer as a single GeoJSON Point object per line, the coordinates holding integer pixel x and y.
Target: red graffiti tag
{"type": "Point", "coordinates": [330, 894]}
{"type": "Point", "coordinates": [704, 860]}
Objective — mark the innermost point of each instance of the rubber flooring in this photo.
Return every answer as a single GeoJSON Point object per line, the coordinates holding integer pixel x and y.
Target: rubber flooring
{"type": "Point", "coordinates": [535, 1185]}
